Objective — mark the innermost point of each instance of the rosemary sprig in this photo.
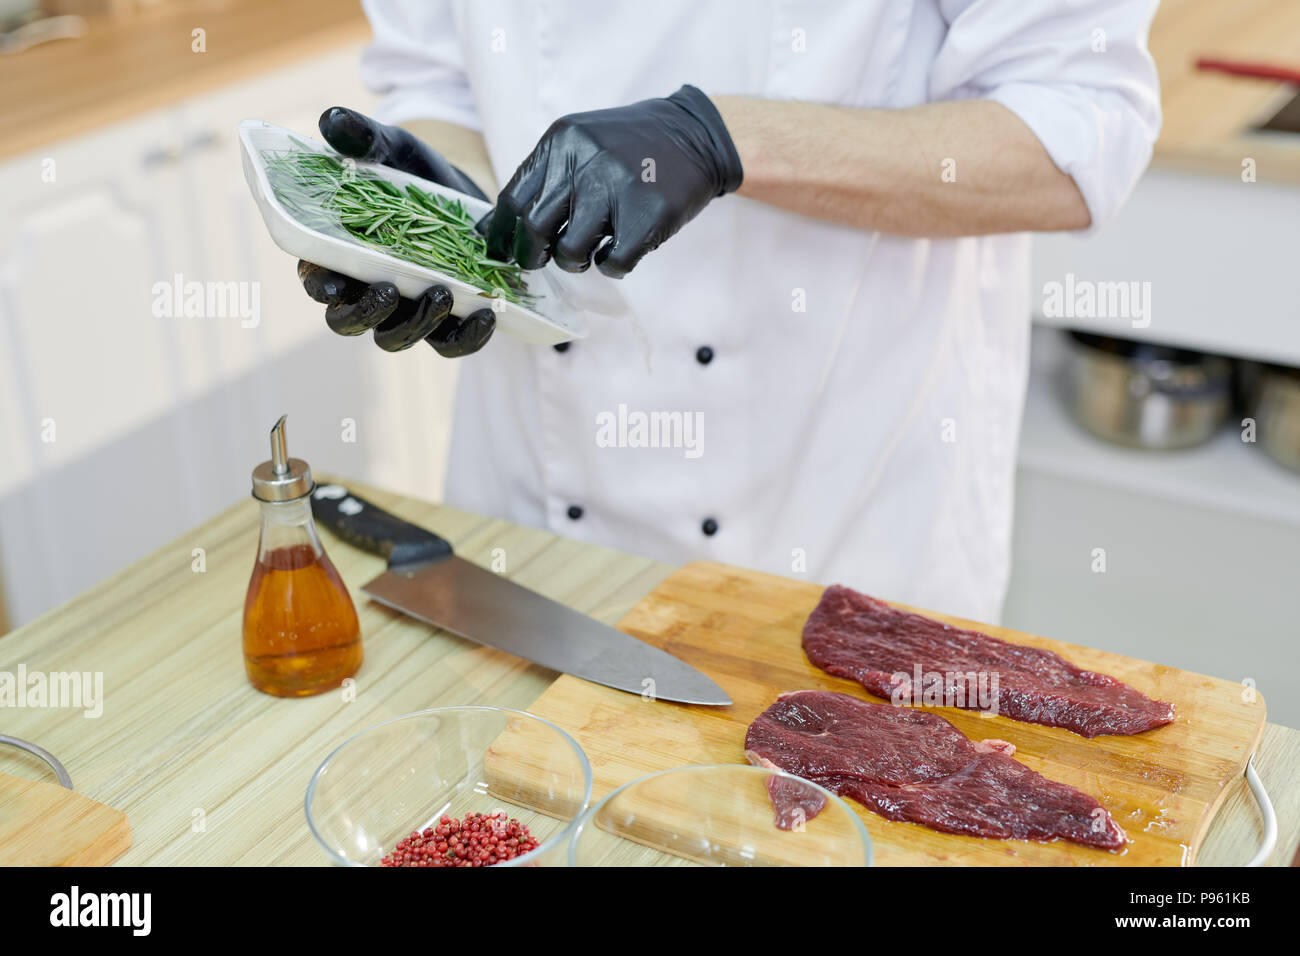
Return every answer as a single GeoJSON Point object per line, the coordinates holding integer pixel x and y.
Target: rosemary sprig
{"type": "Point", "coordinates": [423, 228]}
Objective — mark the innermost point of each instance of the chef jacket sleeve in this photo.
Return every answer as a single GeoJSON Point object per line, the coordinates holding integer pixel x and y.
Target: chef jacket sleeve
{"type": "Point", "coordinates": [416, 64]}
{"type": "Point", "coordinates": [1077, 72]}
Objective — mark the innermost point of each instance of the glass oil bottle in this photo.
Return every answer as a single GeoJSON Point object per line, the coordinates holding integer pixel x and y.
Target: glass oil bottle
{"type": "Point", "coordinates": [301, 633]}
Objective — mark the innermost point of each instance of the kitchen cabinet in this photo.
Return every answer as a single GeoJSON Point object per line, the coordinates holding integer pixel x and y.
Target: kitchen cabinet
{"type": "Point", "coordinates": [78, 256]}
{"type": "Point", "coordinates": [1218, 254]}
{"type": "Point", "coordinates": [158, 419]}
{"type": "Point", "coordinates": [84, 360]}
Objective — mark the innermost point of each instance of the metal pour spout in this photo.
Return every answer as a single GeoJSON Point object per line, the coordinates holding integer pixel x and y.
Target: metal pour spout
{"type": "Point", "coordinates": [282, 478]}
{"type": "Point", "coordinates": [279, 448]}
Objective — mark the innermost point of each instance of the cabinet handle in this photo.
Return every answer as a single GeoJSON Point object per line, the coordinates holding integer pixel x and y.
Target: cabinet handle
{"type": "Point", "coordinates": [207, 139]}
{"type": "Point", "coordinates": [161, 156]}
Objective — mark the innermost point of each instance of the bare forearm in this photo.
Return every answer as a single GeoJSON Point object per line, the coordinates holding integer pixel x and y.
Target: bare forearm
{"type": "Point", "coordinates": [961, 168]}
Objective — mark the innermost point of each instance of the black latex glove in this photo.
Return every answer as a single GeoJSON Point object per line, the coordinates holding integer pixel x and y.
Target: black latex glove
{"type": "Point", "coordinates": [353, 307]}
{"type": "Point", "coordinates": [590, 177]}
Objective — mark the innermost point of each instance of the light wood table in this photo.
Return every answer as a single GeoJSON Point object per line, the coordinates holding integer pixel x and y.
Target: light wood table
{"type": "Point", "coordinates": [209, 771]}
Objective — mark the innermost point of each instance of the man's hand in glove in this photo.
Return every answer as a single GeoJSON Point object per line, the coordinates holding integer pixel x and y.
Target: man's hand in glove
{"type": "Point", "coordinates": [611, 185]}
{"type": "Point", "coordinates": [353, 307]}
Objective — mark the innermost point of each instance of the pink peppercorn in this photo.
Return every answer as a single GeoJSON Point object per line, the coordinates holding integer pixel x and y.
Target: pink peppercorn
{"type": "Point", "coordinates": [477, 840]}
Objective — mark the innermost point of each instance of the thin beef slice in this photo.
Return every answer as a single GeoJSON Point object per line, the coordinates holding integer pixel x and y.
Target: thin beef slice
{"type": "Point", "coordinates": [914, 766]}
{"type": "Point", "coordinates": [851, 635]}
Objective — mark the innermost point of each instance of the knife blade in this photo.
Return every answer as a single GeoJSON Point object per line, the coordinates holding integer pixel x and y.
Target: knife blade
{"type": "Point", "coordinates": [427, 580]}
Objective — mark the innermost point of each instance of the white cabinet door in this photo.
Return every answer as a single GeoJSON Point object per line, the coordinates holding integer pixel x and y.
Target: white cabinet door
{"type": "Point", "coordinates": [84, 239]}
{"type": "Point", "coordinates": [86, 235]}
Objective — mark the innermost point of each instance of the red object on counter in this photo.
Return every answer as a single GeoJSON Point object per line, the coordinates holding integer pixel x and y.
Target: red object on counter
{"type": "Point", "coordinates": [1259, 71]}
{"type": "Point", "coordinates": [478, 840]}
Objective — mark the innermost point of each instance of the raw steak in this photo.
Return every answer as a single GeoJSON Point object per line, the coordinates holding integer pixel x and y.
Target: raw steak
{"type": "Point", "coordinates": [913, 765]}
{"type": "Point", "coordinates": [904, 657]}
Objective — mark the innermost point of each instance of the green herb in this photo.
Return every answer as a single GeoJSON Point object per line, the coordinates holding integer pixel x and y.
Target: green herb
{"type": "Point", "coordinates": [423, 228]}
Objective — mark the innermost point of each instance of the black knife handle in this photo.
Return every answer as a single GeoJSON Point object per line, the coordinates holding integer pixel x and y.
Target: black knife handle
{"type": "Point", "coordinates": [371, 528]}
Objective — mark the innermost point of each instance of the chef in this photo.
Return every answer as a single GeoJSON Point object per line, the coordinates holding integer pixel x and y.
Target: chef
{"type": "Point", "coordinates": [814, 217]}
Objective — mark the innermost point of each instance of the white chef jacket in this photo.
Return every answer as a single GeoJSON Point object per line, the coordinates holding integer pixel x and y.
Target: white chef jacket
{"type": "Point", "coordinates": [861, 409]}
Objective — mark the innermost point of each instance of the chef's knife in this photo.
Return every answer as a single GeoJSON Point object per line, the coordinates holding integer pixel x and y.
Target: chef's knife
{"type": "Point", "coordinates": [426, 580]}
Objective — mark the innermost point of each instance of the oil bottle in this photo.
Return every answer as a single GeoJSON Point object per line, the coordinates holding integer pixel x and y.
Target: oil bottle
{"type": "Point", "coordinates": [301, 633]}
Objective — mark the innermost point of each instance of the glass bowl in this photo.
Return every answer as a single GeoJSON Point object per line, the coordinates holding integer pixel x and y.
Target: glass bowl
{"type": "Point", "coordinates": [404, 774]}
{"type": "Point", "coordinates": [720, 815]}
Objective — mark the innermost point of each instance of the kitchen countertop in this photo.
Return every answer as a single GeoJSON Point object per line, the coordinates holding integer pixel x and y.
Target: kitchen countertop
{"type": "Point", "coordinates": [132, 63]}
{"type": "Point", "coordinates": [209, 771]}
{"type": "Point", "coordinates": [1208, 116]}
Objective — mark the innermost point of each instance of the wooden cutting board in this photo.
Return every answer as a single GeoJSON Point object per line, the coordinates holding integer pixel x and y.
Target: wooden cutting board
{"type": "Point", "coordinates": [44, 824]}
{"type": "Point", "coordinates": [743, 629]}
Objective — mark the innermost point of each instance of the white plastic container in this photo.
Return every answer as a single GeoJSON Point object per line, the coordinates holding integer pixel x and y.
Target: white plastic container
{"type": "Point", "coordinates": [553, 319]}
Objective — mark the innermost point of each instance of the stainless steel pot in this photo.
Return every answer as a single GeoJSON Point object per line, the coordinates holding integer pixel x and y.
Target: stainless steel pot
{"type": "Point", "coordinates": [1145, 395]}
{"type": "Point", "coordinates": [1277, 413]}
